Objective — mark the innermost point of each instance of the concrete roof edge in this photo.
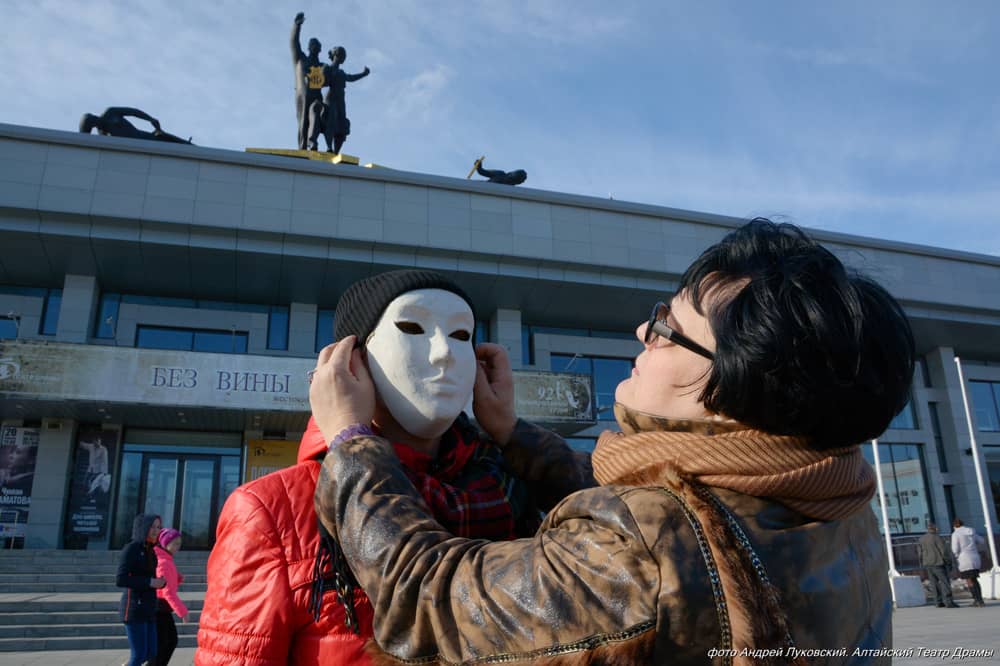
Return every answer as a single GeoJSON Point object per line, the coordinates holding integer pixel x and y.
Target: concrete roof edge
{"type": "Point", "coordinates": [385, 174]}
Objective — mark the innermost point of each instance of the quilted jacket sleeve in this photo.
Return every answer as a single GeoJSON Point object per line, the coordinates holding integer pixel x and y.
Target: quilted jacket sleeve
{"type": "Point", "coordinates": [247, 616]}
{"type": "Point", "coordinates": [167, 570]}
{"type": "Point", "coordinates": [587, 578]}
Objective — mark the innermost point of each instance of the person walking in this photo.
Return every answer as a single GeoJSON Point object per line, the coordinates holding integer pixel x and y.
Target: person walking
{"type": "Point", "coordinates": [936, 559]}
{"type": "Point", "coordinates": [137, 574]}
{"type": "Point", "coordinates": [168, 602]}
{"type": "Point", "coordinates": [965, 545]}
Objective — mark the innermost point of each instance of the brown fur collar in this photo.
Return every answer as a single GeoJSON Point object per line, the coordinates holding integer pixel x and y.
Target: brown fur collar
{"type": "Point", "coordinates": [636, 650]}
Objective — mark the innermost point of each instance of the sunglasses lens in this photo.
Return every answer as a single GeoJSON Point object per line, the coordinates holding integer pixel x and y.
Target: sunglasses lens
{"type": "Point", "coordinates": [659, 314]}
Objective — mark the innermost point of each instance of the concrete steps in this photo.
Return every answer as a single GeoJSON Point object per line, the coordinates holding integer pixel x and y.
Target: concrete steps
{"type": "Point", "coordinates": [67, 600]}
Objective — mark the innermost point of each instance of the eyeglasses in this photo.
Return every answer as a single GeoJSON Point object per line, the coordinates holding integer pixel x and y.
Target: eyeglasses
{"type": "Point", "coordinates": [658, 327]}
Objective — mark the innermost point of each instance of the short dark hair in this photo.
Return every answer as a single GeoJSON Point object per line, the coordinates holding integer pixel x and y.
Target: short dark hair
{"type": "Point", "coordinates": [803, 346]}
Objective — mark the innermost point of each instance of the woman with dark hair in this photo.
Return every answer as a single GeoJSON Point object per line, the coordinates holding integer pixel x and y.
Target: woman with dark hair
{"type": "Point", "coordinates": [732, 517]}
{"type": "Point", "coordinates": [137, 574]}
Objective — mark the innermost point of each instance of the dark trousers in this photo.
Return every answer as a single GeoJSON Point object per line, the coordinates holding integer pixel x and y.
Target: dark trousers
{"type": "Point", "coordinates": [166, 637]}
{"type": "Point", "coordinates": [938, 577]}
{"type": "Point", "coordinates": [141, 641]}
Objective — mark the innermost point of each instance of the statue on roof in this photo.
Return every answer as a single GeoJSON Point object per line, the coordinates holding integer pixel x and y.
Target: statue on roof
{"type": "Point", "coordinates": [515, 177]}
{"type": "Point", "coordinates": [309, 80]}
{"type": "Point", "coordinates": [113, 123]}
{"type": "Point", "coordinates": [336, 124]}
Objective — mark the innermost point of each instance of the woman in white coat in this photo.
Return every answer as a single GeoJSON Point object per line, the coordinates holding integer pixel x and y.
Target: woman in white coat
{"type": "Point", "coordinates": [965, 545]}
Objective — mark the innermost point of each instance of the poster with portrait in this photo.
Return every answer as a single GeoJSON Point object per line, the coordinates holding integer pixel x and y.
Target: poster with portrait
{"type": "Point", "coordinates": [90, 489]}
{"type": "Point", "coordinates": [18, 454]}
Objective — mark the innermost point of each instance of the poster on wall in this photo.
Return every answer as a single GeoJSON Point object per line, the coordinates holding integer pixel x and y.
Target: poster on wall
{"type": "Point", "coordinates": [268, 455]}
{"type": "Point", "coordinates": [90, 486]}
{"type": "Point", "coordinates": [18, 453]}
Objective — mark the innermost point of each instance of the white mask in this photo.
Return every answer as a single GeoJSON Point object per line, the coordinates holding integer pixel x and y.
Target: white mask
{"type": "Point", "coordinates": [422, 361]}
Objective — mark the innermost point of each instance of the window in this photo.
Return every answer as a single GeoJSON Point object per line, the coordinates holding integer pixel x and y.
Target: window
{"type": "Point", "coordinates": [993, 476]}
{"type": "Point", "coordinates": [107, 316]}
{"type": "Point", "coordinates": [527, 350]}
{"type": "Point", "coordinates": [607, 373]}
{"type": "Point", "coordinates": [9, 325]}
{"type": "Point", "coordinates": [903, 478]}
{"type": "Point", "coordinates": [527, 332]}
{"type": "Point", "coordinates": [482, 333]}
{"type": "Point", "coordinates": [324, 329]}
{"type": "Point", "coordinates": [906, 419]}
{"type": "Point", "coordinates": [50, 312]}
{"type": "Point", "coordinates": [277, 327]}
{"type": "Point", "coordinates": [938, 439]}
{"type": "Point", "coordinates": [984, 397]}
{"type": "Point", "coordinates": [186, 339]}
{"type": "Point", "coordinates": [949, 501]}
{"type": "Point", "coordinates": [923, 372]}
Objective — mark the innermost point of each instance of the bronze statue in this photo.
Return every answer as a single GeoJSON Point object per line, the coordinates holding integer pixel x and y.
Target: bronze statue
{"type": "Point", "coordinates": [515, 177]}
{"type": "Point", "coordinates": [309, 79]}
{"type": "Point", "coordinates": [113, 123]}
{"type": "Point", "coordinates": [336, 124]}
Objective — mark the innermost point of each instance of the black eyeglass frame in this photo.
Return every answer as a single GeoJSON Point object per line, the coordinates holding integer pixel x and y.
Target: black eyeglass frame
{"type": "Point", "coordinates": [658, 327]}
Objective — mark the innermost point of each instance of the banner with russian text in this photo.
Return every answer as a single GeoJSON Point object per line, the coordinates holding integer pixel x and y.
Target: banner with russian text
{"type": "Point", "coordinates": [90, 486]}
{"type": "Point", "coordinates": [18, 454]}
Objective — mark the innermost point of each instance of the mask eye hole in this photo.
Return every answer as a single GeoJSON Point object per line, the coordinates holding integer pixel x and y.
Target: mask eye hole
{"type": "Point", "coordinates": [410, 327]}
{"type": "Point", "coordinates": [461, 334]}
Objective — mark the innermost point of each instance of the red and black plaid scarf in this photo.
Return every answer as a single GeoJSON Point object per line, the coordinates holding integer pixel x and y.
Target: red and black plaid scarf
{"type": "Point", "coordinates": [466, 488]}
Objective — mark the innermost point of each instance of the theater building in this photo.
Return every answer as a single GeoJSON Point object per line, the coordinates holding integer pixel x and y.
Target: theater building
{"type": "Point", "coordinates": [160, 306]}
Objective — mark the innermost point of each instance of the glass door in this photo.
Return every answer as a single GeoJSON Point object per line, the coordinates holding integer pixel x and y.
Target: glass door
{"type": "Point", "coordinates": [196, 499]}
{"type": "Point", "coordinates": [183, 489]}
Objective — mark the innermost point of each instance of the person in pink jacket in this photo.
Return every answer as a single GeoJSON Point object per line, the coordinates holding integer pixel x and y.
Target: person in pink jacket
{"type": "Point", "coordinates": [168, 602]}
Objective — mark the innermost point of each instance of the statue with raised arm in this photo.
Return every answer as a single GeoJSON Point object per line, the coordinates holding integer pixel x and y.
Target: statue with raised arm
{"type": "Point", "coordinates": [308, 86]}
{"type": "Point", "coordinates": [336, 124]}
{"type": "Point", "coordinates": [515, 177]}
{"type": "Point", "coordinates": [113, 123]}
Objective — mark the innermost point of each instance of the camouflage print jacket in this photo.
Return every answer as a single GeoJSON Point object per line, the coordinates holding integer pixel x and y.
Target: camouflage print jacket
{"type": "Point", "coordinates": [615, 575]}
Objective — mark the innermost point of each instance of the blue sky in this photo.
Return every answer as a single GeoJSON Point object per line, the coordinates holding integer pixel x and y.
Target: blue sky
{"type": "Point", "coordinates": [872, 118]}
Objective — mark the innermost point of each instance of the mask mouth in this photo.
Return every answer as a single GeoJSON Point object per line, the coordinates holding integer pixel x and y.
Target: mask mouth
{"type": "Point", "coordinates": [442, 379]}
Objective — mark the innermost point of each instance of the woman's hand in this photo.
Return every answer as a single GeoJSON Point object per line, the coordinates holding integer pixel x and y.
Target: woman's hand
{"type": "Point", "coordinates": [342, 393]}
{"type": "Point", "coordinates": [493, 395]}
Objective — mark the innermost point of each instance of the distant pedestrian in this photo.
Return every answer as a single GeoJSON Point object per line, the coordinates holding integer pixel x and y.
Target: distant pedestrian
{"type": "Point", "coordinates": [936, 559]}
{"type": "Point", "coordinates": [168, 602]}
{"type": "Point", "coordinates": [965, 545]}
{"type": "Point", "coordinates": [137, 574]}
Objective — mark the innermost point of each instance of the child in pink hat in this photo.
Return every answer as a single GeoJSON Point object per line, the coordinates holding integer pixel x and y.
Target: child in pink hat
{"type": "Point", "coordinates": [168, 544]}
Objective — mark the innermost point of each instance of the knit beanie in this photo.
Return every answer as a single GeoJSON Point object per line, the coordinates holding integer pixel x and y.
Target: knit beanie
{"type": "Point", "coordinates": [167, 535]}
{"type": "Point", "coordinates": [360, 308]}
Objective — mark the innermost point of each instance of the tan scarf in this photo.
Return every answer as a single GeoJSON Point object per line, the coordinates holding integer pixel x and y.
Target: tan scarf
{"type": "Point", "coordinates": [685, 456]}
{"type": "Point", "coordinates": [826, 485]}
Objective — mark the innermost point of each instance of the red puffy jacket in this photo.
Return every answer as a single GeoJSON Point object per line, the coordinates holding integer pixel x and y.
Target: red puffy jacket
{"type": "Point", "coordinates": [260, 572]}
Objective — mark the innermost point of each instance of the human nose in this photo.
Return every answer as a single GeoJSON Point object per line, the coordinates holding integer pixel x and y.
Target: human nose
{"type": "Point", "coordinates": [440, 350]}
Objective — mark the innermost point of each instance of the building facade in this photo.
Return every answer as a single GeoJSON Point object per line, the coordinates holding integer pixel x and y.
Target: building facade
{"type": "Point", "coordinates": [161, 304]}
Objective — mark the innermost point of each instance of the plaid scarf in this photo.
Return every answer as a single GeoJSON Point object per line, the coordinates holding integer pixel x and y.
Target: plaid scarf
{"type": "Point", "coordinates": [466, 488]}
